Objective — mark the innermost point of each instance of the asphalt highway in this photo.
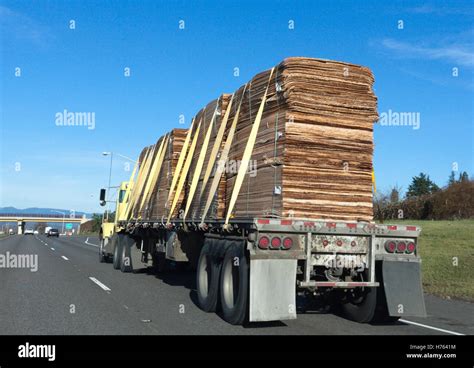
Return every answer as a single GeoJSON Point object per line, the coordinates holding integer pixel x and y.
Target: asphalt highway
{"type": "Point", "coordinates": [72, 293]}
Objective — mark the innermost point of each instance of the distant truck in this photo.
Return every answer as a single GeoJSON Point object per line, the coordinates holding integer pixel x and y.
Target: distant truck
{"type": "Point", "coordinates": [53, 232]}
{"type": "Point", "coordinates": [46, 230]}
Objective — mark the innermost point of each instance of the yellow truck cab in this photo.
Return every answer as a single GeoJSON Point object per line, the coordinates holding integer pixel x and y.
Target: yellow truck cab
{"type": "Point", "coordinates": [109, 228]}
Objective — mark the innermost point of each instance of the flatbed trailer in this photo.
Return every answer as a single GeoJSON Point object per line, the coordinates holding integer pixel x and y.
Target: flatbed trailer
{"type": "Point", "coordinates": [255, 269]}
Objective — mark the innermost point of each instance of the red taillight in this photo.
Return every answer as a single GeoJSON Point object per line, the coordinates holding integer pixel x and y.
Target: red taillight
{"type": "Point", "coordinates": [263, 242]}
{"type": "Point", "coordinates": [401, 247]}
{"type": "Point", "coordinates": [276, 242]}
{"type": "Point", "coordinates": [411, 247]}
{"type": "Point", "coordinates": [287, 243]}
{"type": "Point", "coordinates": [390, 246]}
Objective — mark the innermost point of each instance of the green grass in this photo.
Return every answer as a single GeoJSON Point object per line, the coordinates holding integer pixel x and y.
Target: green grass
{"type": "Point", "coordinates": [442, 242]}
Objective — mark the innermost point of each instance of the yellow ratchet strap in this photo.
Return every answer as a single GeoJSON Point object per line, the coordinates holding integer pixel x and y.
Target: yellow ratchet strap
{"type": "Point", "coordinates": [184, 173]}
{"type": "Point", "coordinates": [179, 165]}
{"type": "Point", "coordinates": [200, 163]}
{"type": "Point", "coordinates": [215, 148]}
{"type": "Point", "coordinates": [247, 153]}
{"type": "Point", "coordinates": [155, 171]}
{"type": "Point", "coordinates": [223, 158]}
{"type": "Point", "coordinates": [133, 193]}
{"type": "Point", "coordinates": [373, 182]}
{"type": "Point", "coordinates": [146, 170]}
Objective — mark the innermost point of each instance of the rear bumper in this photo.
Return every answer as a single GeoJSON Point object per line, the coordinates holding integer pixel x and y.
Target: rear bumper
{"type": "Point", "coordinates": [343, 285]}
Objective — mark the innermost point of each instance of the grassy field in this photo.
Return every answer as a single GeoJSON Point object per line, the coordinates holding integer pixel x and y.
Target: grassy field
{"type": "Point", "coordinates": [441, 244]}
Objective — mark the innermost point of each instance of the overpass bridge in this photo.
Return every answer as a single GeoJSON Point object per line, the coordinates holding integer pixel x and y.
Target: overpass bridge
{"type": "Point", "coordinates": [22, 218]}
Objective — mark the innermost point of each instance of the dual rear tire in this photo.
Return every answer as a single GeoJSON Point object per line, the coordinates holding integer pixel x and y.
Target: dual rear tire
{"type": "Point", "coordinates": [103, 258]}
{"type": "Point", "coordinates": [223, 282]}
{"type": "Point", "coordinates": [122, 259]}
{"type": "Point", "coordinates": [117, 258]}
{"type": "Point", "coordinates": [370, 305]}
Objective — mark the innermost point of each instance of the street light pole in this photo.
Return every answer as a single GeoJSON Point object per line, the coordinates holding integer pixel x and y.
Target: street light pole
{"type": "Point", "coordinates": [110, 169]}
{"type": "Point", "coordinates": [110, 179]}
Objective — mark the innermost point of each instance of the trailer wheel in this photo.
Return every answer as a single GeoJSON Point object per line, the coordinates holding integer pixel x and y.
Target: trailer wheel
{"type": "Point", "coordinates": [117, 254]}
{"type": "Point", "coordinates": [361, 305]}
{"type": "Point", "coordinates": [126, 257]}
{"type": "Point", "coordinates": [234, 285]}
{"type": "Point", "coordinates": [207, 280]}
{"type": "Point", "coordinates": [102, 256]}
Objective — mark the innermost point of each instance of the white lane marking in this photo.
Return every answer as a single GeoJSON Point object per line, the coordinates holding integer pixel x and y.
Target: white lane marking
{"type": "Point", "coordinates": [430, 327]}
{"type": "Point", "coordinates": [53, 249]}
{"type": "Point", "coordinates": [65, 258]}
{"type": "Point", "coordinates": [93, 279]}
{"type": "Point", "coordinates": [87, 242]}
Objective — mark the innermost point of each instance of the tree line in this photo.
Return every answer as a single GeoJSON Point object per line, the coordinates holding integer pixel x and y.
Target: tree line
{"type": "Point", "coordinates": [424, 199]}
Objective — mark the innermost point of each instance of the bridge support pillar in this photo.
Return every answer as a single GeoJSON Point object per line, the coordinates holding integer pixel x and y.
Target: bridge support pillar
{"type": "Point", "coordinates": [21, 227]}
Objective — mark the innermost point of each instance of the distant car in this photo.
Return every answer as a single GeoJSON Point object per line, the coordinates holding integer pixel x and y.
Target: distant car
{"type": "Point", "coordinates": [29, 232]}
{"type": "Point", "coordinates": [53, 232]}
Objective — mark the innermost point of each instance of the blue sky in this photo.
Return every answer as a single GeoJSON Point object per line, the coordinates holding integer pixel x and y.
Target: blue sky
{"type": "Point", "coordinates": [176, 71]}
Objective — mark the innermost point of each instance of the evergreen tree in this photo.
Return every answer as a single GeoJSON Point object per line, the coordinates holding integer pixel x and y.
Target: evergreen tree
{"type": "Point", "coordinates": [421, 185]}
{"type": "Point", "coordinates": [452, 179]}
{"type": "Point", "coordinates": [463, 177]}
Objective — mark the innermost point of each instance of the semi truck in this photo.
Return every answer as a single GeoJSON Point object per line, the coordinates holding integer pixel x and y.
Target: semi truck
{"type": "Point", "coordinates": [269, 267]}
{"type": "Point", "coordinates": [252, 269]}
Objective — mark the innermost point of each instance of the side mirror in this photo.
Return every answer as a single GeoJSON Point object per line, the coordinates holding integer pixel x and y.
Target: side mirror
{"type": "Point", "coordinates": [102, 197]}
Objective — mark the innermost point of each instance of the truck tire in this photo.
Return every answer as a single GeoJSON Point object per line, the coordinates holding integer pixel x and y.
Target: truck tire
{"type": "Point", "coordinates": [126, 257]}
{"type": "Point", "coordinates": [207, 279]}
{"type": "Point", "coordinates": [102, 256]}
{"type": "Point", "coordinates": [117, 254]}
{"type": "Point", "coordinates": [362, 306]}
{"type": "Point", "coordinates": [234, 285]}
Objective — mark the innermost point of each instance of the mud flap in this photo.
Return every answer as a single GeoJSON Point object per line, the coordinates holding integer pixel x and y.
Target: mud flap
{"type": "Point", "coordinates": [403, 288]}
{"type": "Point", "coordinates": [272, 289]}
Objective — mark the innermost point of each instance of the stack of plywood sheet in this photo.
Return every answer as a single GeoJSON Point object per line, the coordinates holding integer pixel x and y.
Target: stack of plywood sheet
{"type": "Point", "coordinates": [146, 155]}
{"type": "Point", "coordinates": [209, 120]}
{"type": "Point", "coordinates": [158, 206]}
{"type": "Point", "coordinates": [312, 156]}
{"type": "Point", "coordinates": [313, 151]}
